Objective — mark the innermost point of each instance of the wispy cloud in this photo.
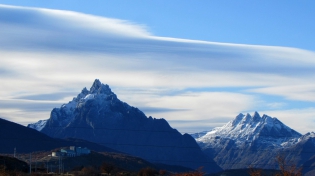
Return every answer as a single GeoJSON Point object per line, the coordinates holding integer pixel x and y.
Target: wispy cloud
{"type": "Point", "coordinates": [47, 54]}
{"type": "Point", "coordinates": [47, 97]}
{"type": "Point", "coordinates": [293, 92]}
{"type": "Point", "coordinates": [28, 105]}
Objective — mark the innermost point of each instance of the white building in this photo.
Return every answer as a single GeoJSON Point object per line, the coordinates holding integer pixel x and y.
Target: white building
{"type": "Point", "coordinates": [80, 151]}
{"type": "Point", "coordinates": [72, 152]}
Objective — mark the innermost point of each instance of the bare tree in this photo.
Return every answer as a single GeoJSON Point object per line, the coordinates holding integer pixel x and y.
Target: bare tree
{"type": "Point", "coordinates": [107, 168]}
{"type": "Point", "coordinates": [198, 172]}
{"type": "Point", "coordinates": [255, 172]}
{"type": "Point", "coordinates": [287, 169]}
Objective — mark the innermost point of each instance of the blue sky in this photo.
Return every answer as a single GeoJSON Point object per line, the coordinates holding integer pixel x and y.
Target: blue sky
{"type": "Point", "coordinates": [195, 64]}
{"type": "Point", "coordinates": [276, 23]}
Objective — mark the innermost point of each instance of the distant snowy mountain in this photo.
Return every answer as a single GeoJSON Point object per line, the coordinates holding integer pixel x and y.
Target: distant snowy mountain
{"type": "Point", "coordinates": [266, 130]}
{"type": "Point", "coordinates": [99, 116]}
{"type": "Point", "coordinates": [38, 125]}
{"type": "Point", "coordinates": [248, 140]}
{"type": "Point", "coordinates": [198, 135]}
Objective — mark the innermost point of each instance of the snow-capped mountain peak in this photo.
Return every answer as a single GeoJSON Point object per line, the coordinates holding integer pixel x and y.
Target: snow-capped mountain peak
{"type": "Point", "coordinates": [66, 112]}
{"type": "Point", "coordinates": [256, 141]}
{"type": "Point", "coordinates": [241, 120]}
{"type": "Point", "coordinates": [99, 88]}
{"type": "Point", "coordinates": [250, 128]}
{"type": "Point", "coordinates": [256, 116]}
{"type": "Point", "coordinates": [83, 93]}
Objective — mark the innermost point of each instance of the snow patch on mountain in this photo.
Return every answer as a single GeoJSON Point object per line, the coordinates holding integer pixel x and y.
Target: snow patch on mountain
{"type": "Point", "coordinates": [38, 125]}
{"type": "Point", "coordinates": [198, 135]}
{"type": "Point", "coordinates": [308, 136]}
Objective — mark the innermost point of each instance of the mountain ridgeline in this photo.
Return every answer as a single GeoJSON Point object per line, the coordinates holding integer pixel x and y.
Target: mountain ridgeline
{"type": "Point", "coordinates": [97, 115]}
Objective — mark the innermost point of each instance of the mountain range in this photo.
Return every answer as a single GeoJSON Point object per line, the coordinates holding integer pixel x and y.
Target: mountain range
{"type": "Point", "coordinates": [256, 141]}
{"type": "Point", "coordinates": [97, 115]}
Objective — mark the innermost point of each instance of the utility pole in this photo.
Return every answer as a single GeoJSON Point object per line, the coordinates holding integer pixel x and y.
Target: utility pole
{"type": "Point", "coordinates": [59, 164]}
{"type": "Point", "coordinates": [63, 167]}
{"type": "Point", "coordinates": [3, 163]}
{"type": "Point", "coordinates": [14, 151]}
{"type": "Point", "coordinates": [30, 163]}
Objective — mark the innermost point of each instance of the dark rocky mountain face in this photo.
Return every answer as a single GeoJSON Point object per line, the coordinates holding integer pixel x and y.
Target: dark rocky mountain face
{"type": "Point", "coordinates": [99, 116]}
{"type": "Point", "coordinates": [302, 153]}
{"type": "Point", "coordinates": [309, 167]}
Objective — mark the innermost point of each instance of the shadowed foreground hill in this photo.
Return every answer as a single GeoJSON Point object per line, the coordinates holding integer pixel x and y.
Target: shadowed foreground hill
{"type": "Point", "coordinates": [13, 164]}
{"type": "Point", "coordinates": [95, 159]}
{"type": "Point", "coordinates": [13, 135]}
{"type": "Point", "coordinates": [117, 160]}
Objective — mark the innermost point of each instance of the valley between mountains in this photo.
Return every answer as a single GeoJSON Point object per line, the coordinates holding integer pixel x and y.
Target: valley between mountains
{"type": "Point", "coordinates": [97, 119]}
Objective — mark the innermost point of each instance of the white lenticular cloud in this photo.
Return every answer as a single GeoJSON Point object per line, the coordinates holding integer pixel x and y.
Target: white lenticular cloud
{"type": "Point", "coordinates": [292, 92]}
{"type": "Point", "coordinates": [49, 55]}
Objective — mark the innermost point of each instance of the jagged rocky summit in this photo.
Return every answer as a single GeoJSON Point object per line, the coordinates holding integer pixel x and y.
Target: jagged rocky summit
{"type": "Point", "coordinates": [254, 140]}
{"type": "Point", "coordinates": [97, 115]}
{"type": "Point", "coordinates": [252, 130]}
